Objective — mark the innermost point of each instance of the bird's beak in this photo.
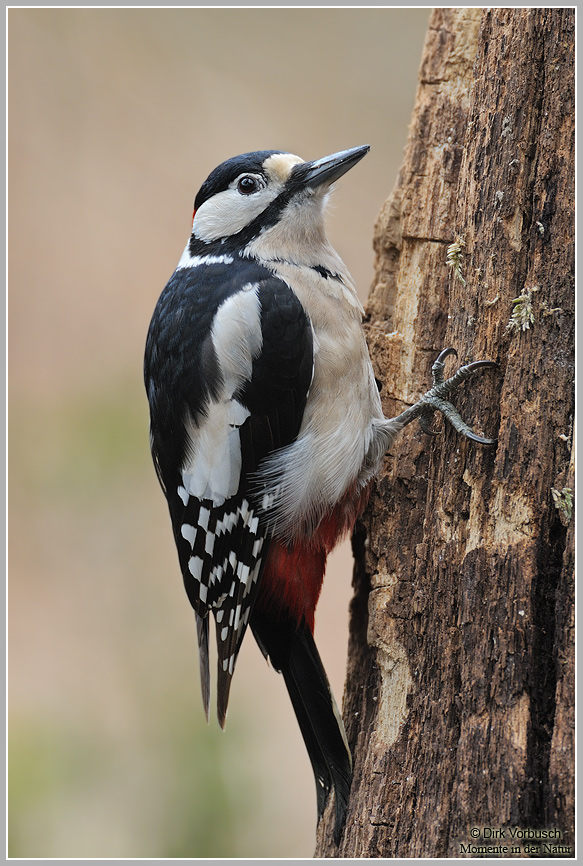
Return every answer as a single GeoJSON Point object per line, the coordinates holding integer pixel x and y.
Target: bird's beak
{"type": "Point", "coordinates": [323, 172]}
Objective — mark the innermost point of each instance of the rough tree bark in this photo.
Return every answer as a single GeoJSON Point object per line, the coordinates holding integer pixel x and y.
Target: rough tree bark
{"type": "Point", "coordinates": [459, 702]}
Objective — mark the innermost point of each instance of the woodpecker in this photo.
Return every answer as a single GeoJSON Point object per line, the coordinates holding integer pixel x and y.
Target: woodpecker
{"type": "Point", "coordinates": [266, 426]}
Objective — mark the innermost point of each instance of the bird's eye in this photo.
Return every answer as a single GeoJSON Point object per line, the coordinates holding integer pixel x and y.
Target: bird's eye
{"type": "Point", "coordinates": [248, 184]}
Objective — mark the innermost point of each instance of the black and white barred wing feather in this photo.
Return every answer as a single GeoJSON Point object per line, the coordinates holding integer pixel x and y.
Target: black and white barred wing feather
{"type": "Point", "coordinates": [225, 549]}
{"type": "Point", "coordinates": [241, 390]}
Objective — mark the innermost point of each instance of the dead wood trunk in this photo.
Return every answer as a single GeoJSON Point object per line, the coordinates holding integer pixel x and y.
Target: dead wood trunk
{"type": "Point", "coordinates": [460, 684]}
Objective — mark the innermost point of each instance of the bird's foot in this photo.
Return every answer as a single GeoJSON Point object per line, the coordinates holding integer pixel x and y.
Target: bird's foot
{"type": "Point", "coordinates": [434, 400]}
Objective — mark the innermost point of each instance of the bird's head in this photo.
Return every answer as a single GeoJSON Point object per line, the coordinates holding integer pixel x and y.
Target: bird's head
{"type": "Point", "coordinates": [266, 194]}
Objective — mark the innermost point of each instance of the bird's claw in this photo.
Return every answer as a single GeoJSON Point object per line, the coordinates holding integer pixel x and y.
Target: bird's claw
{"type": "Point", "coordinates": [439, 365]}
{"type": "Point", "coordinates": [434, 400]}
{"type": "Point", "coordinates": [424, 422]}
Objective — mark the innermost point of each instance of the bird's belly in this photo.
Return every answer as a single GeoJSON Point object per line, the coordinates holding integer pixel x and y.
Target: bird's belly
{"type": "Point", "coordinates": [303, 483]}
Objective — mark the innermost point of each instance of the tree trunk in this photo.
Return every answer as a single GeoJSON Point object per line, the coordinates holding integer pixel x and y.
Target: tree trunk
{"type": "Point", "coordinates": [459, 702]}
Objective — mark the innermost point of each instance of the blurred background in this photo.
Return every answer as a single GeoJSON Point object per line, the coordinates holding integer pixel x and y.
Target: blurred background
{"type": "Point", "coordinates": [115, 119]}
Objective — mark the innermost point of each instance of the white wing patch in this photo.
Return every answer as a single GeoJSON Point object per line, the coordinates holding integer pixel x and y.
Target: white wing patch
{"type": "Point", "coordinates": [236, 335]}
{"type": "Point", "coordinates": [213, 466]}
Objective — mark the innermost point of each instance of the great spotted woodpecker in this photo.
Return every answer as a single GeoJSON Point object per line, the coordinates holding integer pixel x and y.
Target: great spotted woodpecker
{"type": "Point", "coordinates": [266, 425]}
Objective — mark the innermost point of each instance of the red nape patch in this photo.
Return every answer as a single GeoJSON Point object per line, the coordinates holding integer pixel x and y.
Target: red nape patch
{"type": "Point", "coordinates": [193, 215]}
{"type": "Point", "coordinates": [293, 574]}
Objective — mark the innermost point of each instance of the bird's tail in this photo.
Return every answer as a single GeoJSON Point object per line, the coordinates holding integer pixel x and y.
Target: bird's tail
{"type": "Point", "coordinates": [292, 651]}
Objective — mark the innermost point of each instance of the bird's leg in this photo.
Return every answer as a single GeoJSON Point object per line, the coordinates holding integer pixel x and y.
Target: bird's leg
{"type": "Point", "coordinates": [434, 400]}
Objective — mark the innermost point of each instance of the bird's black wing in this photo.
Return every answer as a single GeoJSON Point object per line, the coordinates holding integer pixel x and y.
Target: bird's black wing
{"type": "Point", "coordinates": [229, 361]}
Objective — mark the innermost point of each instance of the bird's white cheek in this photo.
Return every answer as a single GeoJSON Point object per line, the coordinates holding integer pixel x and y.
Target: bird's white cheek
{"type": "Point", "coordinates": [227, 213]}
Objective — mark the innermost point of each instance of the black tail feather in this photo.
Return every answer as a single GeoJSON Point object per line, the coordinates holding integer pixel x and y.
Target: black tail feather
{"type": "Point", "coordinates": [292, 651]}
{"type": "Point", "coordinates": [202, 629]}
